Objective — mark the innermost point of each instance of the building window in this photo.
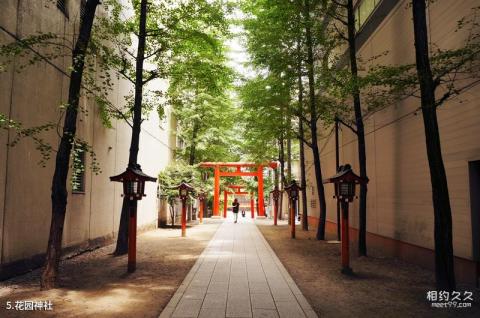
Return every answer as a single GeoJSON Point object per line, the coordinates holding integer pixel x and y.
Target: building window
{"type": "Point", "coordinates": [363, 11]}
{"type": "Point", "coordinates": [62, 5]}
{"type": "Point", "coordinates": [78, 171]}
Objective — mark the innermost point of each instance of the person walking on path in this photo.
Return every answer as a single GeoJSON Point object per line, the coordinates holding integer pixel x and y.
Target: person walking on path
{"type": "Point", "coordinates": [236, 207]}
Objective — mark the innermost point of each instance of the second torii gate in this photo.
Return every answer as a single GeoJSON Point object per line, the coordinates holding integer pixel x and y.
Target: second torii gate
{"type": "Point", "coordinates": [237, 191]}
{"type": "Point", "coordinates": [219, 172]}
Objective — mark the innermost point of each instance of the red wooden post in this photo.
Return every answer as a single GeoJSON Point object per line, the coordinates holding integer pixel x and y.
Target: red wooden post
{"type": "Point", "coordinates": [216, 192]}
{"type": "Point", "coordinates": [345, 181]}
{"type": "Point", "coordinates": [275, 211]}
{"type": "Point", "coordinates": [184, 217]}
{"type": "Point", "coordinates": [261, 203]}
{"type": "Point", "coordinates": [293, 209]}
{"type": "Point", "coordinates": [133, 180]}
{"type": "Point", "coordinates": [345, 240]}
{"type": "Point", "coordinates": [132, 238]}
{"type": "Point", "coordinates": [292, 190]}
{"type": "Point", "coordinates": [225, 203]}
{"type": "Point", "coordinates": [252, 206]}
{"type": "Point", "coordinates": [200, 213]}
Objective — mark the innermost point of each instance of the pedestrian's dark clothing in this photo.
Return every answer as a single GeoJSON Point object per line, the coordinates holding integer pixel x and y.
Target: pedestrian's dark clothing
{"type": "Point", "coordinates": [236, 207]}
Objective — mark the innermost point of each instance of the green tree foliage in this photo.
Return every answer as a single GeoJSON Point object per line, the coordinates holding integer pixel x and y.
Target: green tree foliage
{"type": "Point", "coordinates": [454, 70]}
{"type": "Point", "coordinates": [172, 176]}
{"type": "Point", "coordinates": [288, 44]}
{"type": "Point", "coordinates": [199, 89]}
{"type": "Point", "coordinates": [264, 103]}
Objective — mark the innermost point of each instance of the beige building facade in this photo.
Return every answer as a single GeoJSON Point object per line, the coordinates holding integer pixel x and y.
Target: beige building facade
{"type": "Point", "coordinates": [33, 97]}
{"type": "Point", "coordinates": [399, 205]}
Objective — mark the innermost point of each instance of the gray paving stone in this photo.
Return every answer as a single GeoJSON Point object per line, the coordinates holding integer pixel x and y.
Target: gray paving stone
{"type": "Point", "coordinates": [289, 309]}
{"type": "Point", "coordinates": [238, 306]}
{"type": "Point", "coordinates": [238, 292]}
{"type": "Point", "coordinates": [218, 287]}
{"type": "Point", "coordinates": [195, 292]}
{"type": "Point", "coordinates": [264, 313]}
{"type": "Point", "coordinates": [262, 301]}
{"type": "Point", "coordinates": [201, 281]}
{"type": "Point", "coordinates": [212, 313]}
{"type": "Point", "coordinates": [188, 308]}
{"type": "Point", "coordinates": [215, 300]}
{"type": "Point", "coordinates": [259, 288]}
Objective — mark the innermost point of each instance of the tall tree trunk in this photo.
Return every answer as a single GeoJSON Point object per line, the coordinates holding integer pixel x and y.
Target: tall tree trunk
{"type": "Point", "coordinates": [191, 160]}
{"type": "Point", "coordinates": [303, 182]}
{"type": "Point", "coordinates": [301, 134]}
{"type": "Point", "coordinates": [172, 213]}
{"type": "Point", "coordinates": [313, 124]}
{"type": "Point", "coordinates": [444, 259]}
{"type": "Point", "coordinates": [289, 159]}
{"type": "Point", "coordinates": [122, 239]}
{"type": "Point", "coordinates": [282, 175]}
{"type": "Point", "coordinates": [337, 165]}
{"type": "Point", "coordinates": [276, 184]}
{"type": "Point", "coordinates": [362, 158]}
{"type": "Point", "coordinates": [59, 181]}
{"type": "Point", "coordinates": [289, 172]}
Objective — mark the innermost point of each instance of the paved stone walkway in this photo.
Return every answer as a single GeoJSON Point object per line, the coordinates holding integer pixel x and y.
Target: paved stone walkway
{"type": "Point", "coordinates": [238, 275]}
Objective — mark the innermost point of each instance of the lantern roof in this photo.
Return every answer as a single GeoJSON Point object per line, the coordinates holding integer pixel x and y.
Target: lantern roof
{"type": "Point", "coordinates": [184, 185]}
{"type": "Point", "coordinates": [134, 173]}
{"type": "Point", "coordinates": [293, 185]}
{"type": "Point", "coordinates": [346, 174]}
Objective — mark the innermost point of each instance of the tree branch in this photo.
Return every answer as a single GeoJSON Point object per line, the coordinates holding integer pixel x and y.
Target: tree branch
{"type": "Point", "coordinates": [306, 142]}
{"type": "Point", "coordinates": [343, 5]}
{"type": "Point", "coordinates": [340, 33]}
{"type": "Point", "coordinates": [123, 71]}
{"type": "Point", "coordinates": [153, 75]}
{"type": "Point", "coordinates": [155, 53]}
{"type": "Point", "coordinates": [347, 125]}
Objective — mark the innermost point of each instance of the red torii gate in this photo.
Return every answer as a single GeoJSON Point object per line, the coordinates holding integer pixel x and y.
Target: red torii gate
{"type": "Point", "coordinates": [258, 172]}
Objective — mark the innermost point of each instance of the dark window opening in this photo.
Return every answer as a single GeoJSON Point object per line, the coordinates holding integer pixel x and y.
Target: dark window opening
{"type": "Point", "coordinates": [474, 176]}
{"type": "Point", "coordinates": [78, 172]}
{"type": "Point", "coordinates": [62, 5]}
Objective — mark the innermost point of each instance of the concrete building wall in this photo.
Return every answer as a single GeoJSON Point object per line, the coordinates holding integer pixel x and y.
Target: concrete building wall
{"type": "Point", "coordinates": [33, 97]}
{"type": "Point", "coordinates": [399, 205]}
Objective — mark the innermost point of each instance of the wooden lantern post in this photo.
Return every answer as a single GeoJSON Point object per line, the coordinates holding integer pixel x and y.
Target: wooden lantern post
{"type": "Point", "coordinates": [276, 195]}
{"type": "Point", "coordinates": [183, 190]}
{"type": "Point", "coordinates": [133, 180]}
{"type": "Point", "coordinates": [345, 181]}
{"type": "Point", "coordinates": [293, 189]}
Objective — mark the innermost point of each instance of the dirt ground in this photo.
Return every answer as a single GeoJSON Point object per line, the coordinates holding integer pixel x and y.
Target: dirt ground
{"type": "Point", "coordinates": [96, 284]}
{"type": "Point", "coordinates": [380, 287]}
